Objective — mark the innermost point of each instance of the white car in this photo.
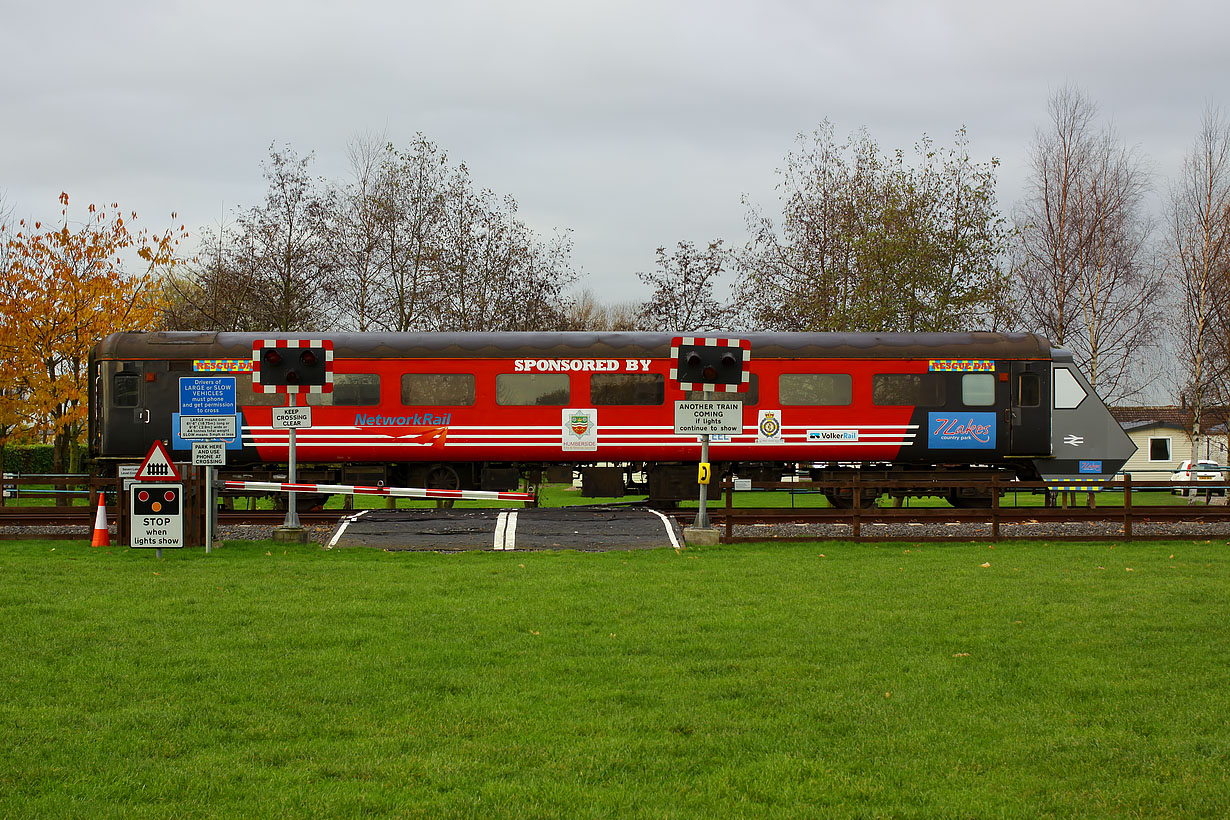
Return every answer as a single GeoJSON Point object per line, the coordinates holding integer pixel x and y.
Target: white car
{"type": "Point", "coordinates": [1199, 471]}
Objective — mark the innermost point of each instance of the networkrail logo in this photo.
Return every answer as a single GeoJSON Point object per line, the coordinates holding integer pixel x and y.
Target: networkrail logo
{"type": "Point", "coordinates": [427, 419]}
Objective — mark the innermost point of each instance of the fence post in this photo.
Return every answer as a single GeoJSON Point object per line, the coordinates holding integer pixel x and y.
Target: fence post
{"type": "Point", "coordinates": [1127, 505]}
{"type": "Point", "coordinates": [730, 492]}
{"type": "Point", "coordinates": [121, 513]}
{"type": "Point", "coordinates": [994, 506]}
{"type": "Point", "coordinates": [856, 504]}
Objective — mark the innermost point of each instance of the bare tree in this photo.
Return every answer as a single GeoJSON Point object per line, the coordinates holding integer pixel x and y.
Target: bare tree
{"type": "Point", "coordinates": [497, 274]}
{"type": "Point", "coordinates": [1198, 247]}
{"type": "Point", "coordinates": [1051, 239]}
{"type": "Point", "coordinates": [583, 311]}
{"type": "Point", "coordinates": [407, 243]}
{"type": "Point", "coordinates": [1087, 276]}
{"type": "Point", "coordinates": [411, 200]}
{"type": "Point", "coordinates": [212, 292]}
{"type": "Point", "coordinates": [683, 290]}
{"type": "Point", "coordinates": [283, 244]}
{"type": "Point", "coordinates": [355, 235]}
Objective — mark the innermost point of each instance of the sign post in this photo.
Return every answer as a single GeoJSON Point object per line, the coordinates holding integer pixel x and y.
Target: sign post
{"type": "Point", "coordinates": [207, 418]}
{"type": "Point", "coordinates": [704, 418]}
{"type": "Point", "coordinates": [156, 506]}
{"type": "Point", "coordinates": [209, 454]}
{"type": "Point", "coordinates": [292, 366]}
{"type": "Point", "coordinates": [711, 366]}
{"type": "Point", "coordinates": [291, 418]}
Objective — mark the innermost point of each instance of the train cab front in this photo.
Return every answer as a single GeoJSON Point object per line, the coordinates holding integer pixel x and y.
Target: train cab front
{"type": "Point", "coordinates": [1087, 445]}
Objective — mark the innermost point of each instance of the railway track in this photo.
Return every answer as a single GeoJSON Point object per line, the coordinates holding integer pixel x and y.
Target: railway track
{"type": "Point", "coordinates": [84, 516]}
{"type": "Point", "coordinates": [745, 524]}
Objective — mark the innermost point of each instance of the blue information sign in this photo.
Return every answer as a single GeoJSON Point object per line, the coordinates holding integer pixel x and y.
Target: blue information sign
{"type": "Point", "coordinates": [207, 396]}
{"type": "Point", "coordinates": [207, 412]}
{"type": "Point", "coordinates": [961, 431]}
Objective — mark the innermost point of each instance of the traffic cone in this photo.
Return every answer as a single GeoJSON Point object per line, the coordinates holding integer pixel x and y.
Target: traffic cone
{"type": "Point", "coordinates": [102, 535]}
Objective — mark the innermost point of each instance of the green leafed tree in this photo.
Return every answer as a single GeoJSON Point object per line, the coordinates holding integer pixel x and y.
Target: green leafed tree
{"type": "Point", "coordinates": [869, 241]}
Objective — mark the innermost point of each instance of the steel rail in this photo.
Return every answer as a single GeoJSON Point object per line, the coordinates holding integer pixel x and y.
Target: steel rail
{"type": "Point", "coordinates": [727, 518]}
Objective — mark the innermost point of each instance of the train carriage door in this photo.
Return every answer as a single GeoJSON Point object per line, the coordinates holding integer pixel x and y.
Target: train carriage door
{"type": "Point", "coordinates": [125, 430]}
{"type": "Point", "coordinates": [1029, 408]}
{"type": "Point", "coordinates": [132, 398]}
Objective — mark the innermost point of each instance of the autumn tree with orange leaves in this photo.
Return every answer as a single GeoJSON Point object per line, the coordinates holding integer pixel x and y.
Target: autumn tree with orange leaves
{"type": "Point", "coordinates": [64, 288]}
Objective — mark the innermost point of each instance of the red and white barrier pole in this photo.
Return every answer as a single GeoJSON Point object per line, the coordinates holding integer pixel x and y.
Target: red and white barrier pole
{"type": "Point", "coordinates": [396, 492]}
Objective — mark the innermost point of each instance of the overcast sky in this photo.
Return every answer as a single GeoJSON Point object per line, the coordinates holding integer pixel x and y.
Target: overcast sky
{"type": "Point", "coordinates": [634, 124]}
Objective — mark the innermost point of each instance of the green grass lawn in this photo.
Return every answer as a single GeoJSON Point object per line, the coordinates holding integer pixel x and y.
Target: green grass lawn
{"type": "Point", "coordinates": [959, 680]}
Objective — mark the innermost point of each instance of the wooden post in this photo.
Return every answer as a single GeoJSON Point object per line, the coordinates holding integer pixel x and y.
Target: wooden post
{"type": "Point", "coordinates": [122, 532]}
{"type": "Point", "coordinates": [994, 506]}
{"type": "Point", "coordinates": [730, 492]}
{"type": "Point", "coordinates": [1127, 505]}
{"type": "Point", "coordinates": [856, 505]}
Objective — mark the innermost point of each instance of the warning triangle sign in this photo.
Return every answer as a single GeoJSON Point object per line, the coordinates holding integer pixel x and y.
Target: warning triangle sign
{"type": "Point", "coordinates": [157, 465]}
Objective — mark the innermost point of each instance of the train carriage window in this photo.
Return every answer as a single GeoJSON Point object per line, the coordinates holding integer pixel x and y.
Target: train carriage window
{"type": "Point", "coordinates": [978, 389]}
{"type": "Point", "coordinates": [1029, 390]}
{"type": "Point", "coordinates": [349, 390]}
{"type": "Point", "coordinates": [749, 397]}
{"type": "Point", "coordinates": [627, 388]}
{"type": "Point", "coordinates": [124, 387]}
{"type": "Point", "coordinates": [824, 389]}
{"type": "Point", "coordinates": [908, 389]}
{"type": "Point", "coordinates": [437, 389]}
{"type": "Point", "coordinates": [245, 396]}
{"type": "Point", "coordinates": [541, 389]}
{"type": "Point", "coordinates": [1068, 392]}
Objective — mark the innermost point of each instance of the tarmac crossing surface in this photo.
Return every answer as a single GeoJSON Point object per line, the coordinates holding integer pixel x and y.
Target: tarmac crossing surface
{"type": "Point", "coordinates": [576, 528]}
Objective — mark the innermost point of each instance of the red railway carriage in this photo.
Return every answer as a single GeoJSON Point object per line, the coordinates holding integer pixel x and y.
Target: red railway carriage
{"type": "Point", "coordinates": [481, 409]}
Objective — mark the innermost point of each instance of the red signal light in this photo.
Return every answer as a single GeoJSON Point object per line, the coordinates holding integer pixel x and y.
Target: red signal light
{"type": "Point", "coordinates": [272, 357]}
{"type": "Point", "coordinates": [307, 358]}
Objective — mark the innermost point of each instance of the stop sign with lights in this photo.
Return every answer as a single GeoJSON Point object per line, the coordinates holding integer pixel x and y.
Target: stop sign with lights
{"type": "Point", "coordinates": [292, 366]}
{"type": "Point", "coordinates": [156, 515]}
{"type": "Point", "coordinates": [711, 364]}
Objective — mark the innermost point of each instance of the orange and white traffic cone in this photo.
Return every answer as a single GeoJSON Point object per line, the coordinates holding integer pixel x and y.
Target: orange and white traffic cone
{"type": "Point", "coordinates": [102, 535]}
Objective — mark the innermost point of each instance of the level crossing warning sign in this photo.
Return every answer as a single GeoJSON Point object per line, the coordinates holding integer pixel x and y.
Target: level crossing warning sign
{"type": "Point", "coordinates": [157, 465]}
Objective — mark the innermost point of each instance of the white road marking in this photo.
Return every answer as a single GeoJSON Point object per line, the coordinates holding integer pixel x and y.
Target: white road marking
{"type": "Point", "coordinates": [510, 532]}
{"type": "Point", "coordinates": [670, 531]}
{"type": "Point", "coordinates": [506, 531]}
{"type": "Point", "coordinates": [501, 524]}
{"type": "Point", "coordinates": [345, 523]}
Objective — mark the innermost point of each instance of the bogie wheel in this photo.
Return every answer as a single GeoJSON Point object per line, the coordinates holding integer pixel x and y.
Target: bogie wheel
{"type": "Point", "coordinates": [443, 477]}
{"type": "Point", "coordinates": [968, 502]}
{"type": "Point", "coordinates": [846, 502]}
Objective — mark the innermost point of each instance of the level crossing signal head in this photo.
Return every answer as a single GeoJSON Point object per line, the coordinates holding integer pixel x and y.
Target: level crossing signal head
{"type": "Point", "coordinates": [710, 364]}
{"type": "Point", "coordinates": [292, 365]}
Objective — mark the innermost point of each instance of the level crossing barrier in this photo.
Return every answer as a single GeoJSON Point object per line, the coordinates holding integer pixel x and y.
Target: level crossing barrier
{"type": "Point", "coordinates": [393, 492]}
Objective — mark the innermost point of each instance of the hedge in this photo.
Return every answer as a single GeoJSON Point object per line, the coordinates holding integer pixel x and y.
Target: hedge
{"type": "Point", "coordinates": [32, 458]}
